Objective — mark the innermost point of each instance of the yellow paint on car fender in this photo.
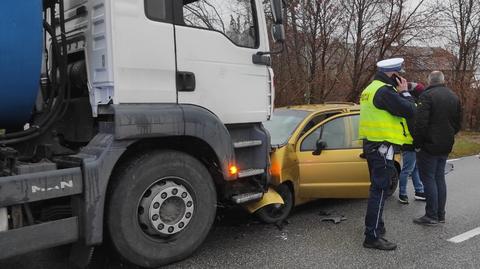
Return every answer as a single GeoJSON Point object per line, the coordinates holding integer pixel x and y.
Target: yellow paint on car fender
{"type": "Point", "coordinates": [270, 197]}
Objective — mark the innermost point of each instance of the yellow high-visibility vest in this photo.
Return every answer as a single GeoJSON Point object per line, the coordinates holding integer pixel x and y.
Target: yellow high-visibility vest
{"type": "Point", "coordinates": [379, 125]}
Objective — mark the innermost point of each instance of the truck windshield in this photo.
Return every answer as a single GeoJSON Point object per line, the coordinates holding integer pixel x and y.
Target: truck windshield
{"type": "Point", "coordinates": [283, 124]}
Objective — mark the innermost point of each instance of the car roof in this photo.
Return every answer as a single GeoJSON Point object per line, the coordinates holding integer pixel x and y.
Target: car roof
{"type": "Point", "coordinates": [345, 106]}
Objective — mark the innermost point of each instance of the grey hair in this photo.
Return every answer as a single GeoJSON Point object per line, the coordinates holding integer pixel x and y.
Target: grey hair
{"type": "Point", "coordinates": [436, 77]}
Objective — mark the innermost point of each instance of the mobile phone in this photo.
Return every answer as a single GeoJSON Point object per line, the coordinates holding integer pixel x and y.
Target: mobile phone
{"type": "Point", "coordinates": [394, 78]}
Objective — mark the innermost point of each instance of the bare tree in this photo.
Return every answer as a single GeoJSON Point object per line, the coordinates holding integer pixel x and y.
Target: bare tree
{"type": "Point", "coordinates": [332, 45]}
{"type": "Point", "coordinates": [315, 55]}
{"type": "Point", "coordinates": [377, 29]}
{"type": "Point", "coordinates": [462, 21]}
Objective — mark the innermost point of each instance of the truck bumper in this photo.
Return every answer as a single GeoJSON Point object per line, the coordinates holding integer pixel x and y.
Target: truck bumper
{"type": "Point", "coordinates": [40, 236]}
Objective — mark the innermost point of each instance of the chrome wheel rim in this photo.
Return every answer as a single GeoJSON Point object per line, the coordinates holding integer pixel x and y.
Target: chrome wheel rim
{"type": "Point", "coordinates": [166, 208]}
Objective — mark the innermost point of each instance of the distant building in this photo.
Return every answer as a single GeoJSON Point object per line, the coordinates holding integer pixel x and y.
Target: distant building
{"type": "Point", "coordinates": [420, 61]}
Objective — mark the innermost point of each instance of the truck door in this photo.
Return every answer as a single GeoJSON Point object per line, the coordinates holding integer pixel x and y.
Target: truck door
{"type": "Point", "coordinates": [215, 41]}
{"type": "Point", "coordinates": [143, 49]}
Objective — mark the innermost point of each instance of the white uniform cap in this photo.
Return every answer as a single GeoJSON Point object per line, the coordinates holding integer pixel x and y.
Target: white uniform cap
{"type": "Point", "coordinates": [391, 65]}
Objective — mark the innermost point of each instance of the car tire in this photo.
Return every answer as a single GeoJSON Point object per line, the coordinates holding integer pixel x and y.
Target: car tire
{"type": "Point", "coordinates": [275, 213]}
{"type": "Point", "coordinates": [139, 187]}
{"type": "Point", "coordinates": [393, 183]}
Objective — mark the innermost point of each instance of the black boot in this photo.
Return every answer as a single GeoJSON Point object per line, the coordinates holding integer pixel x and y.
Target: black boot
{"type": "Point", "coordinates": [425, 221]}
{"type": "Point", "coordinates": [380, 243]}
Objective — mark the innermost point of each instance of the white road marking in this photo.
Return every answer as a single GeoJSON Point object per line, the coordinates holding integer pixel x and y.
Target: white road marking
{"type": "Point", "coordinates": [452, 160]}
{"type": "Point", "coordinates": [465, 236]}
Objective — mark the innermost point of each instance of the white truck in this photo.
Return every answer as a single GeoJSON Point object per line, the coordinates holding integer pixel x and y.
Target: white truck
{"type": "Point", "coordinates": [127, 121]}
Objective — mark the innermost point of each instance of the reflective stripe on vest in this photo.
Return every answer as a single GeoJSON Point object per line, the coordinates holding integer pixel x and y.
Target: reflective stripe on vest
{"type": "Point", "coordinates": [378, 125]}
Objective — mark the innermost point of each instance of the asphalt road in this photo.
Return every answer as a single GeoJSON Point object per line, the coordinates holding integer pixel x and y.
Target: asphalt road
{"type": "Point", "coordinates": [239, 241]}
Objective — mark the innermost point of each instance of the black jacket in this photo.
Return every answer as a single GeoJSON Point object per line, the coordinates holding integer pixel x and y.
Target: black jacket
{"type": "Point", "coordinates": [387, 98]}
{"type": "Point", "coordinates": [438, 120]}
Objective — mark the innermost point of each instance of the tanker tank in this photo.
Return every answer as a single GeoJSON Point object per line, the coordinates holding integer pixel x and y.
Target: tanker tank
{"type": "Point", "coordinates": [21, 45]}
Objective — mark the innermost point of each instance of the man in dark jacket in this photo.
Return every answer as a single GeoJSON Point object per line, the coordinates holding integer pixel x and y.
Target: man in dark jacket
{"type": "Point", "coordinates": [438, 119]}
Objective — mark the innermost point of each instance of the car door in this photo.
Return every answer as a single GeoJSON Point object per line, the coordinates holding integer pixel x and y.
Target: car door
{"type": "Point", "coordinates": [338, 171]}
{"type": "Point", "coordinates": [359, 174]}
{"type": "Point", "coordinates": [215, 42]}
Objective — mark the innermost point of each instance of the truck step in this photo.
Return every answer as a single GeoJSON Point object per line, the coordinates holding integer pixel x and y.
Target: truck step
{"type": "Point", "coordinates": [250, 172]}
{"type": "Point", "coordinates": [247, 197]}
{"type": "Point", "coordinates": [247, 143]}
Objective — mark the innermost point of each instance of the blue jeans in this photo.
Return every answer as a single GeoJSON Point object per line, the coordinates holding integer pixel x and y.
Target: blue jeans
{"type": "Point", "coordinates": [409, 167]}
{"type": "Point", "coordinates": [381, 172]}
{"type": "Point", "coordinates": [432, 173]}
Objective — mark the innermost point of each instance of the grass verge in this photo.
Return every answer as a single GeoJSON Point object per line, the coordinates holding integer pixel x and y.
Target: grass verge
{"type": "Point", "coordinates": [466, 144]}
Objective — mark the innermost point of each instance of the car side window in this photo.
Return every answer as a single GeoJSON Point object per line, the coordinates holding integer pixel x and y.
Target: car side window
{"type": "Point", "coordinates": [311, 123]}
{"type": "Point", "coordinates": [235, 19]}
{"type": "Point", "coordinates": [310, 142]}
{"type": "Point", "coordinates": [333, 133]}
{"type": "Point", "coordinates": [356, 141]}
{"type": "Point", "coordinates": [316, 120]}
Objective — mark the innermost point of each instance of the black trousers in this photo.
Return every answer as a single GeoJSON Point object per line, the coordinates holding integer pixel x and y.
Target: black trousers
{"type": "Point", "coordinates": [381, 172]}
{"type": "Point", "coordinates": [432, 174]}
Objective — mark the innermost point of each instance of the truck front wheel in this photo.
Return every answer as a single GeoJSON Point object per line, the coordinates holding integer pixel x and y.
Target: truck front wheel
{"type": "Point", "coordinates": [161, 207]}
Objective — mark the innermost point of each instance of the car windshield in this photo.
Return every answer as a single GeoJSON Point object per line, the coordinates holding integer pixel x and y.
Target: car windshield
{"type": "Point", "coordinates": [283, 124]}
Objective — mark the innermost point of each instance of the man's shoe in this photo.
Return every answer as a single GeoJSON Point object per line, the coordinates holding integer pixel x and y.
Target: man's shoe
{"type": "Point", "coordinates": [441, 219]}
{"type": "Point", "coordinates": [425, 221]}
{"type": "Point", "coordinates": [403, 199]}
{"type": "Point", "coordinates": [420, 196]}
{"type": "Point", "coordinates": [380, 243]}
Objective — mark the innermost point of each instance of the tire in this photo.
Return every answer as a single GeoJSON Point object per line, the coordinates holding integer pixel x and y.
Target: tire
{"type": "Point", "coordinates": [277, 213]}
{"type": "Point", "coordinates": [393, 183]}
{"type": "Point", "coordinates": [146, 178]}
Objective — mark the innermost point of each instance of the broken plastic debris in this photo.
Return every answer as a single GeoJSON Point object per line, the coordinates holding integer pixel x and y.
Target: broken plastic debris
{"type": "Point", "coordinates": [324, 213]}
{"type": "Point", "coordinates": [335, 219]}
{"type": "Point", "coordinates": [283, 236]}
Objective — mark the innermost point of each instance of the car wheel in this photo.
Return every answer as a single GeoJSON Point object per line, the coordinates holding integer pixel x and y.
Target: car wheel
{"type": "Point", "coordinates": [161, 207]}
{"type": "Point", "coordinates": [275, 213]}
{"type": "Point", "coordinates": [393, 183]}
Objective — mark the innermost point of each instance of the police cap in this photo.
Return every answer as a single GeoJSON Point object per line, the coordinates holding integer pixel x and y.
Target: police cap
{"type": "Point", "coordinates": [391, 65]}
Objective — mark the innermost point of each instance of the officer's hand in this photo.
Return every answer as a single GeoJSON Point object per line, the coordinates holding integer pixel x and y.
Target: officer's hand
{"type": "Point", "coordinates": [402, 84]}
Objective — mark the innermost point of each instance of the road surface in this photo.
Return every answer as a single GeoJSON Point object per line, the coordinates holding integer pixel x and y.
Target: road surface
{"type": "Point", "coordinates": [238, 241]}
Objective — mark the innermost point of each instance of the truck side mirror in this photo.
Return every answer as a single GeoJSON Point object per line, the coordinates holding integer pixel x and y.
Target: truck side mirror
{"type": "Point", "coordinates": [278, 33]}
{"type": "Point", "coordinates": [321, 145]}
{"type": "Point", "coordinates": [278, 30]}
{"type": "Point", "coordinates": [277, 11]}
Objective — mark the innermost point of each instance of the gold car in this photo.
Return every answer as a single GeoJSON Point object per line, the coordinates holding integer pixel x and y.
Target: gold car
{"type": "Point", "coordinates": [316, 153]}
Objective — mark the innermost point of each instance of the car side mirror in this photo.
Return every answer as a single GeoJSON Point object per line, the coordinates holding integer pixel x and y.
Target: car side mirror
{"type": "Point", "coordinates": [321, 145]}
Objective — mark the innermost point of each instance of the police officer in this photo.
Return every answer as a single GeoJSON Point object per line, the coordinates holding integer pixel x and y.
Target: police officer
{"type": "Point", "coordinates": [384, 106]}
